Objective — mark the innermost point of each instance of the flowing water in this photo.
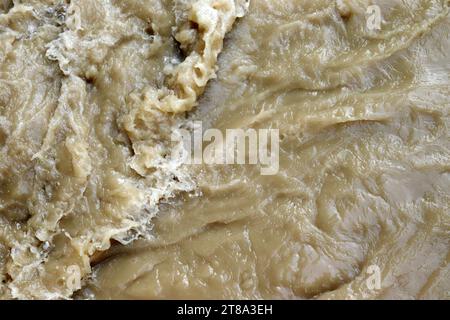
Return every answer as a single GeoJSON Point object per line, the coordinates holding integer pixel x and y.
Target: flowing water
{"type": "Point", "coordinates": [93, 202]}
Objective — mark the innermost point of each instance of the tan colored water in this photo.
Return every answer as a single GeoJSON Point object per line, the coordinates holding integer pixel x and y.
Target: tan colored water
{"type": "Point", "coordinates": [90, 92]}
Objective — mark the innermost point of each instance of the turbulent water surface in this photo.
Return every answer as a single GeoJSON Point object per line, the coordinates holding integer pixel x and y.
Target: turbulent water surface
{"type": "Point", "coordinates": [94, 203]}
